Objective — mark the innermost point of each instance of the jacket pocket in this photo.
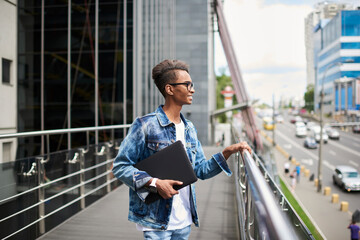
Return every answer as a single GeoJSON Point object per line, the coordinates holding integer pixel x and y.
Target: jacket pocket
{"type": "Point", "coordinates": [155, 146]}
{"type": "Point", "coordinates": [193, 152]}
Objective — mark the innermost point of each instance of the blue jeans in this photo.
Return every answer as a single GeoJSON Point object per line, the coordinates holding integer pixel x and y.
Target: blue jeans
{"type": "Point", "coordinates": [178, 234]}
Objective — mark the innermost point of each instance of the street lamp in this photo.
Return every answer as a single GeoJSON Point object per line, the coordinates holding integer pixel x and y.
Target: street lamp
{"type": "Point", "coordinates": [321, 121]}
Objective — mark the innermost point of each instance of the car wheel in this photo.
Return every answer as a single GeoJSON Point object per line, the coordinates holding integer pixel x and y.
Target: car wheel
{"type": "Point", "coordinates": [334, 182]}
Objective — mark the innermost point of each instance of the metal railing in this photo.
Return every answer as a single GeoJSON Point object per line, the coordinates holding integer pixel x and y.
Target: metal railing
{"type": "Point", "coordinates": [345, 124]}
{"type": "Point", "coordinates": [263, 210]}
{"type": "Point", "coordinates": [31, 203]}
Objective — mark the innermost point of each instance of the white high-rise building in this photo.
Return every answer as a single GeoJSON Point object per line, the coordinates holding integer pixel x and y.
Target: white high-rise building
{"type": "Point", "coordinates": [8, 76]}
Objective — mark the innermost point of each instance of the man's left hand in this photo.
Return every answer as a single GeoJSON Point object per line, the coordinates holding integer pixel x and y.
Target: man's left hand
{"type": "Point", "coordinates": [238, 147]}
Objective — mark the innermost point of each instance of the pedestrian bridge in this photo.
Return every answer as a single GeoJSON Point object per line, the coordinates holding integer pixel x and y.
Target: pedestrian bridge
{"type": "Point", "coordinates": [107, 218]}
{"type": "Point", "coordinates": [72, 194]}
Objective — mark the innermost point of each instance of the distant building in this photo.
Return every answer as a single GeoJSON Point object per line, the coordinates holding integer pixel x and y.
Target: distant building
{"type": "Point", "coordinates": [338, 40]}
{"type": "Point", "coordinates": [8, 75]}
{"type": "Point", "coordinates": [323, 10]}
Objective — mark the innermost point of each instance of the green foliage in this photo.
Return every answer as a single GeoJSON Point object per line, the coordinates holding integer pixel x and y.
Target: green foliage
{"type": "Point", "coordinates": [222, 82]}
{"type": "Point", "coordinates": [290, 104]}
{"type": "Point", "coordinates": [264, 106]}
{"type": "Point", "coordinates": [309, 98]}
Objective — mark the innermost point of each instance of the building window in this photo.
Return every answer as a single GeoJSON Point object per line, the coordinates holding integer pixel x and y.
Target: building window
{"type": "Point", "coordinates": [6, 153]}
{"type": "Point", "coordinates": [6, 64]}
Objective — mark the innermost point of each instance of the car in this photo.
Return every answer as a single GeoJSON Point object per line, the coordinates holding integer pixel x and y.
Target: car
{"type": "Point", "coordinates": [347, 178]}
{"type": "Point", "coordinates": [316, 134]}
{"type": "Point", "coordinates": [268, 123]}
{"type": "Point", "coordinates": [301, 131]}
{"type": "Point", "coordinates": [310, 125]}
{"type": "Point", "coordinates": [292, 120]}
{"type": "Point", "coordinates": [332, 133]}
{"type": "Point", "coordinates": [279, 119]}
{"type": "Point", "coordinates": [310, 143]}
{"type": "Point", "coordinates": [299, 124]}
{"type": "Point", "coordinates": [356, 129]}
{"type": "Point", "coordinates": [299, 119]}
{"type": "Point", "coordinates": [296, 119]}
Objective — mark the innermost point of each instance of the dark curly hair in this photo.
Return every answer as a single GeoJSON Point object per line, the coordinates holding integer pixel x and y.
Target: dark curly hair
{"type": "Point", "coordinates": [165, 72]}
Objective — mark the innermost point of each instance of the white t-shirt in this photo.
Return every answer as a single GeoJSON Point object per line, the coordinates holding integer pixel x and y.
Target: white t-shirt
{"type": "Point", "coordinates": [180, 216]}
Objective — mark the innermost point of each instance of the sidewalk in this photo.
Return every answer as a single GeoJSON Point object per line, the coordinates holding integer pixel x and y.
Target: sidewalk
{"type": "Point", "coordinates": [326, 215]}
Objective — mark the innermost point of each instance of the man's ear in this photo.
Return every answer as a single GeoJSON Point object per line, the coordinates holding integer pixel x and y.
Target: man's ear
{"type": "Point", "coordinates": [169, 90]}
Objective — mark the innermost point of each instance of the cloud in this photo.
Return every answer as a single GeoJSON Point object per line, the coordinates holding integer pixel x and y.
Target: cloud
{"type": "Point", "coordinates": [269, 45]}
{"type": "Point", "coordinates": [283, 85]}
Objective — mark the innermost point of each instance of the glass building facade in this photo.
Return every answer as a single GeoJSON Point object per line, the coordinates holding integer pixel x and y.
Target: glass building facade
{"type": "Point", "coordinates": [88, 63]}
{"type": "Point", "coordinates": [337, 46]}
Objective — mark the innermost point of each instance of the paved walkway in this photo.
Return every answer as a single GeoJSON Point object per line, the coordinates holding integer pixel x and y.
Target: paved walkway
{"type": "Point", "coordinates": [107, 218]}
{"type": "Point", "coordinates": [327, 216]}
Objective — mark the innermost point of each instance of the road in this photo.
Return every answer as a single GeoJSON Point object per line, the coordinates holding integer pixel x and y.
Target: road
{"type": "Point", "coordinates": [345, 151]}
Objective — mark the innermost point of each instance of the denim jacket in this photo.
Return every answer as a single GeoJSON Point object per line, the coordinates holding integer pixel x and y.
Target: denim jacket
{"type": "Point", "coordinates": [147, 135]}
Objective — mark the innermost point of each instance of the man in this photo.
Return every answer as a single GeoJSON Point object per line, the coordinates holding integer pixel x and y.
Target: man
{"type": "Point", "coordinates": [172, 215]}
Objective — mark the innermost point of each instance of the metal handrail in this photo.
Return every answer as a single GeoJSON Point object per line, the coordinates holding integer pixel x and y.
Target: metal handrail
{"type": "Point", "coordinates": [274, 225]}
{"type": "Point", "coordinates": [60, 208]}
{"type": "Point", "coordinates": [56, 195]}
{"type": "Point", "coordinates": [263, 210]}
{"type": "Point", "coordinates": [55, 181]}
{"type": "Point", "coordinates": [38, 169]}
{"type": "Point", "coordinates": [43, 185]}
{"type": "Point", "coordinates": [345, 124]}
{"type": "Point", "coordinates": [61, 131]}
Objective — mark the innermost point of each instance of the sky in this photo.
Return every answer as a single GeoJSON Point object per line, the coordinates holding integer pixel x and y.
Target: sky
{"type": "Point", "coordinates": [268, 38]}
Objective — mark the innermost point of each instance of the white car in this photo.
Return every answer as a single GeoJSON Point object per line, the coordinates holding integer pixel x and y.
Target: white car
{"type": "Point", "coordinates": [299, 119]}
{"type": "Point", "coordinates": [300, 124]}
{"type": "Point", "coordinates": [332, 133]}
{"type": "Point", "coordinates": [301, 131]}
{"type": "Point", "coordinates": [310, 125]}
{"type": "Point", "coordinates": [347, 178]}
{"type": "Point", "coordinates": [316, 135]}
{"type": "Point", "coordinates": [279, 119]}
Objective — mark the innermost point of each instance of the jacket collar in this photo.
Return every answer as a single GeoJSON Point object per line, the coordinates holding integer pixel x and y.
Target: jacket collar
{"type": "Point", "coordinates": [164, 120]}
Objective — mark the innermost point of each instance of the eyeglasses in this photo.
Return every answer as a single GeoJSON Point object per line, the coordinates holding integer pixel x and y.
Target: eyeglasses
{"type": "Point", "coordinates": [189, 85]}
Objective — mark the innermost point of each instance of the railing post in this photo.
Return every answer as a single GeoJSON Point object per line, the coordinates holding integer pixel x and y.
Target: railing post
{"type": "Point", "coordinates": [82, 178]}
{"type": "Point", "coordinates": [41, 193]}
{"type": "Point", "coordinates": [108, 166]}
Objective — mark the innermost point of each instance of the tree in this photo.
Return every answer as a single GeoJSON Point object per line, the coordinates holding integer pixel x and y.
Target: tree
{"type": "Point", "coordinates": [309, 98]}
{"type": "Point", "coordinates": [222, 82]}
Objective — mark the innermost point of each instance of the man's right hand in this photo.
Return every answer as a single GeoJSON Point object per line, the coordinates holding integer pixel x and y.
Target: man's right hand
{"type": "Point", "coordinates": [165, 188]}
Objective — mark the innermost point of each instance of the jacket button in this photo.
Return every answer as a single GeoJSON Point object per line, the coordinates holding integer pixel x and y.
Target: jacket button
{"type": "Point", "coordinates": [167, 206]}
{"type": "Point", "coordinates": [162, 228]}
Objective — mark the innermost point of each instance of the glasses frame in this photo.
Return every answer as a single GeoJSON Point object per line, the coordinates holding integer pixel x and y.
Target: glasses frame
{"type": "Point", "coordinates": [189, 85]}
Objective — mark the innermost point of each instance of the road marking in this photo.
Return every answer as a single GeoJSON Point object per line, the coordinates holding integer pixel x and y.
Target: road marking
{"type": "Point", "coordinates": [332, 152]}
{"type": "Point", "coordinates": [327, 164]}
{"type": "Point", "coordinates": [354, 163]}
{"type": "Point", "coordinates": [287, 146]}
{"type": "Point", "coordinates": [344, 148]}
{"type": "Point", "coordinates": [309, 161]}
{"type": "Point", "coordinates": [312, 155]}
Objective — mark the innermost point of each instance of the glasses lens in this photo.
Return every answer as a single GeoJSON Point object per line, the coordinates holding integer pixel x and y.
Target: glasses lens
{"type": "Point", "coordinates": [190, 85]}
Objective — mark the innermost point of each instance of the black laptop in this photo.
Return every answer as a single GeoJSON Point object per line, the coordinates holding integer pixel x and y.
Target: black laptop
{"type": "Point", "coordinates": [172, 163]}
